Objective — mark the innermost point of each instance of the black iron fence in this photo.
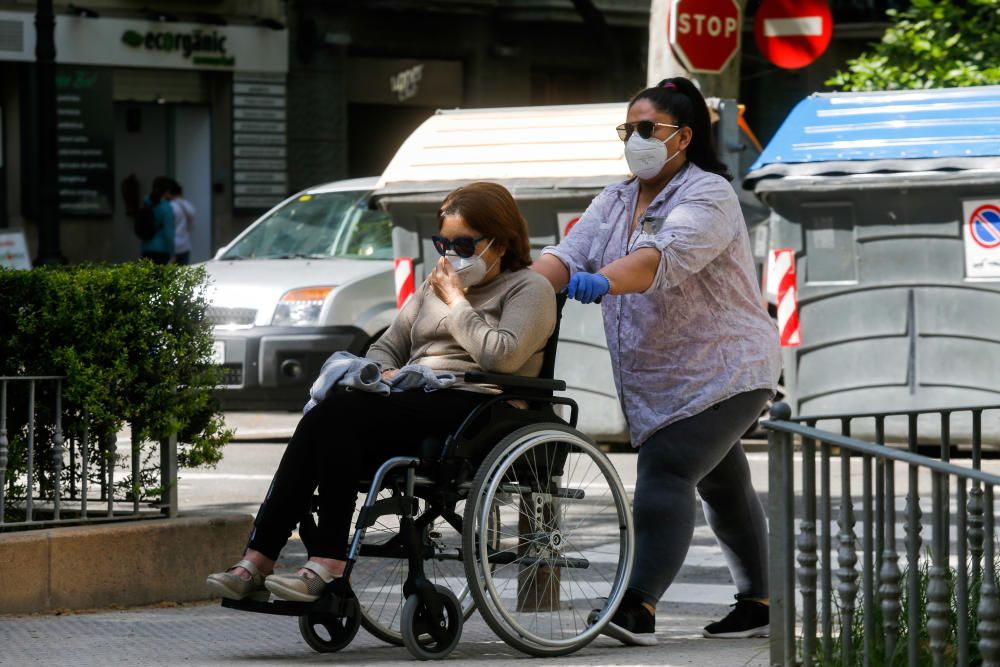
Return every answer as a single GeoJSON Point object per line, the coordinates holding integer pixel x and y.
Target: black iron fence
{"type": "Point", "coordinates": [937, 601]}
{"type": "Point", "coordinates": [50, 478]}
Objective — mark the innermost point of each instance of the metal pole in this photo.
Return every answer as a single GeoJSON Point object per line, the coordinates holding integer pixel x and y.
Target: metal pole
{"type": "Point", "coordinates": [30, 486]}
{"type": "Point", "coordinates": [780, 532]}
{"type": "Point", "coordinates": [3, 447]}
{"type": "Point", "coordinates": [168, 476]}
{"type": "Point", "coordinates": [48, 187]}
{"type": "Point", "coordinates": [57, 455]}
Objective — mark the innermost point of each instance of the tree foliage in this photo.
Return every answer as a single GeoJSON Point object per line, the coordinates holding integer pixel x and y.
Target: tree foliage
{"type": "Point", "coordinates": [932, 44]}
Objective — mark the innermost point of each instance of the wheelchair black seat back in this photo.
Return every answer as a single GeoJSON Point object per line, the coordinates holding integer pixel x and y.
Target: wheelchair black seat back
{"type": "Point", "coordinates": [516, 514]}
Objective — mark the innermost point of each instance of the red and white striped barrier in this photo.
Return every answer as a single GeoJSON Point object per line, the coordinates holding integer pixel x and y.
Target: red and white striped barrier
{"type": "Point", "coordinates": [404, 281]}
{"type": "Point", "coordinates": [781, 279]}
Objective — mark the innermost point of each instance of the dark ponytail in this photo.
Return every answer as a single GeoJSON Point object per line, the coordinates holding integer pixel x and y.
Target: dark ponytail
{"type": "Point", "coordinates": [680, 98]}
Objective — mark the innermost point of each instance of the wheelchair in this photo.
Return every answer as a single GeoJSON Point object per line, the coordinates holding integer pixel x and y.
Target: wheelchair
{"type": "Point", "coordinates": [516, 514]}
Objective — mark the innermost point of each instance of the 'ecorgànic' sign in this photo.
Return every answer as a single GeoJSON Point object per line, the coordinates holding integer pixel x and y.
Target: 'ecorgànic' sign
{"type": "Point", "coordinates": [122, 42]}
{"type": "Point", "coordinates": [200, 46]}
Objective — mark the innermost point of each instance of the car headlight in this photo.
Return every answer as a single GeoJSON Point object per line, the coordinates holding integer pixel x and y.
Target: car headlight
{"type": "Point", "coordinates": [300, 307]}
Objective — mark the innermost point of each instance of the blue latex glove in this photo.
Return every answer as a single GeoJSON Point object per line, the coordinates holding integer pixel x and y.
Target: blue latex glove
{"type": "Point", "coordinates": [587, 287]}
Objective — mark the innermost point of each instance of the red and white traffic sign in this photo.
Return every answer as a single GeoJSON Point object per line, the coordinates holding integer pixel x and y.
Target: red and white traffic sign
{"type": "Point", "coordinates": [982, 238]}
{"type": "Point", "coordinates": [704, 34]}
{"type": "Point", "coordinates": [793, 33]}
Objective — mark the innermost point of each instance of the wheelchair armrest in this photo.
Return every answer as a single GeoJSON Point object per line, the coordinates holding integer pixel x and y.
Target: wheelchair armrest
{"type": "Point", "coordinates": [506, 381]}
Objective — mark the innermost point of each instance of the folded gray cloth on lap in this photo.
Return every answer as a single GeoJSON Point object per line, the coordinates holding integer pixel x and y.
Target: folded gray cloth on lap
{"type": "Point", "coordinates": [416, 376]}
{"type": "Point", "coordinates": [360, 374]}
{"type": "Point", "coordinates": [349, 370]}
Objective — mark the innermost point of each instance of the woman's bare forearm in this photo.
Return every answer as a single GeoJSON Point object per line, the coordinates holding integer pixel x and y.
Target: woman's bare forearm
{"type": "Point", "coordinates": [552, 268]}
{"type": "Point", "coordinates": [633, 272]}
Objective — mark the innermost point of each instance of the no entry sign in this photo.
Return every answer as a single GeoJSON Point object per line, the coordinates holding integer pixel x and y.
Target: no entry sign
{"type": "Point", "coordinates": [792, 33]}
{"type": "Point", "coordinates": [704, 34]}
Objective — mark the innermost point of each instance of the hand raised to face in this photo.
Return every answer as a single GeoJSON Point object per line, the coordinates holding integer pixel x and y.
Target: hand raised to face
{"type": "Point", "coordinates": [445, 282]}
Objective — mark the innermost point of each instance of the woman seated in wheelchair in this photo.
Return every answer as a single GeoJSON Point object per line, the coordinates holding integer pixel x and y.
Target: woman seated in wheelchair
{"type": "Point", "coordinates": [481, 309]}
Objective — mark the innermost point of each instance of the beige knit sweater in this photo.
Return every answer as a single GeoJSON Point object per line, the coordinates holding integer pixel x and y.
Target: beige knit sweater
{"type": "Point", "coordinates": [500, 327]}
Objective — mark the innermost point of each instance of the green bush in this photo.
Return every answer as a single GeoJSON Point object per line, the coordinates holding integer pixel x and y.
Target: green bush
{"type": "Point", "coordinates": [132, 341]}
{"type": "Point", "coordinates": [931, 44]}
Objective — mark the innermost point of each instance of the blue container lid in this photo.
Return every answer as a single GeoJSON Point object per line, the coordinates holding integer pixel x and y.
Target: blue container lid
{"type": "Point", "coordinates": [907, 130]}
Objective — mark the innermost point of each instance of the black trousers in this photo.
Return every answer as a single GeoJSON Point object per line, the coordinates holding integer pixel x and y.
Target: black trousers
{"type": "Point", "coordinates": [339, 442]}
{"type": "Point", "coordinates": [702, 452]}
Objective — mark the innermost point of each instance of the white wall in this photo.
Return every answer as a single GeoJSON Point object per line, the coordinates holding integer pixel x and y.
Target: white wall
{"type": "Point", "coordinates": [192, 168]}
{"type": "Point", "coordinates": [144, 153]}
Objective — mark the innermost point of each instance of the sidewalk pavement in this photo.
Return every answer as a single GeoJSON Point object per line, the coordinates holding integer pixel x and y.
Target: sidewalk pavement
{"type": "Point", "coordinates": [207, 634]}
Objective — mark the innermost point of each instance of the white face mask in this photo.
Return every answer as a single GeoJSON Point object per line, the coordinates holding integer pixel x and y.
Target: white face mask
{"type": "Point", "coordinates": [471, 270]}
{"type": "Point", "coordinates": [646, 157]}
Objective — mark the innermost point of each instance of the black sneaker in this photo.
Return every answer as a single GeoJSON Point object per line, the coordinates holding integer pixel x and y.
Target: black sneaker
{"type": "Point", "coordinates": [749, 618]}
{"type": "Point", "coordinates": [632, 624]}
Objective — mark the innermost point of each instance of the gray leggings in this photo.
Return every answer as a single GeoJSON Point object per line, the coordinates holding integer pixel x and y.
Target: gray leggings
{"type": "Point", "coordinates": [702, 452]}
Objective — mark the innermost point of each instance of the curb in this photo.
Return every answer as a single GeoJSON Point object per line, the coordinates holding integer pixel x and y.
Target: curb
{"type": "Point", "coordinates": [121, 564]}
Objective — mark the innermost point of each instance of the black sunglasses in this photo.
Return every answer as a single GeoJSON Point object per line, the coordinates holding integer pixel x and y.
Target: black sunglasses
{"type": "Point", "coordinates": [464, 246]}
{"type": "Point", "coordinates": [645, 128]}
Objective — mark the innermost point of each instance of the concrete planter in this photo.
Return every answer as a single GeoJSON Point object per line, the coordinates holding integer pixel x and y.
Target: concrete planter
{"type": "Point", "coordinates": [123, 564]}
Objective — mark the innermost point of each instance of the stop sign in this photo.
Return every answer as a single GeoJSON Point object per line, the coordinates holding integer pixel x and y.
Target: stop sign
{"type": "Point", "coordinates": [705, 34]}
{"type": "Point", "coordinates": [792, 33]}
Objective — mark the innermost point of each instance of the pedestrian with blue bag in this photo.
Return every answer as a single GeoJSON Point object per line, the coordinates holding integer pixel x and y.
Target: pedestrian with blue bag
{"type": "Point", "coordinates": [694, 353]}
{"type": "Point", "coordinates": [157, 216]}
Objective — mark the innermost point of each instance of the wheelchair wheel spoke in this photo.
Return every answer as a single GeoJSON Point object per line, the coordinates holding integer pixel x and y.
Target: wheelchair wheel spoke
{"type": "Point", "coordinates": [564, 539]}
{"type": "Point", "coordinates": [589, 516]}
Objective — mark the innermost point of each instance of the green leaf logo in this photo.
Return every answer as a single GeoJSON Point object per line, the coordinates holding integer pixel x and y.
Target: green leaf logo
{"type": "Point", "coordinates": [132, 38]}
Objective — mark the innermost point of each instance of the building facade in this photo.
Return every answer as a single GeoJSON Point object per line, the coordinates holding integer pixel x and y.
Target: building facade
{"type": "Point", "coordinates": [199, 97]}
{"type": "Point", "coordinates": [378, 69]}
{"type": "Point", "coordinates": [257, 100]}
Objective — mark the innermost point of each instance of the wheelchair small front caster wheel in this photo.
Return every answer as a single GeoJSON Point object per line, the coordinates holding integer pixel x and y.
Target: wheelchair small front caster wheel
{"type": "Point", "coordinates": [416, 621]}
{"type": "Point", "coordinates": [326, 633]}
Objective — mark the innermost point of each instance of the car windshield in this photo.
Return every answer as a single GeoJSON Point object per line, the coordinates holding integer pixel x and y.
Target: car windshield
{"type": "Point", "coordinates": [319, 226]}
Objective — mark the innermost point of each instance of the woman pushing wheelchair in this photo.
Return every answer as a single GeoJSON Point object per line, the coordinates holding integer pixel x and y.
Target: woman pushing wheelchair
{"type": "Point", "coordinates": [694, 353]}
{"type": "Point", "coordinates": [481, 309]}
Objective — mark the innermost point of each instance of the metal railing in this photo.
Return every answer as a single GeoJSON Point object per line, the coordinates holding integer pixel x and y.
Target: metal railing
{"type": "Point", "coordinates": [75, 482]}
{"type": "Point", "coordinates": [802, 533]}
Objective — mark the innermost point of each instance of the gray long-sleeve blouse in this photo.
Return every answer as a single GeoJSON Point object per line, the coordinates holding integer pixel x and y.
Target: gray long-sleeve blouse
{"type": "Point", "coordinates": [500, 327]}
{"type": "Point", "coordinates": [700, 334]}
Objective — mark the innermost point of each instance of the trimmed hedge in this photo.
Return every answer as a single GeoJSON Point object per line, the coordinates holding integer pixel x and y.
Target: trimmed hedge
{"type": "Point", "coordinates": [134, 344]}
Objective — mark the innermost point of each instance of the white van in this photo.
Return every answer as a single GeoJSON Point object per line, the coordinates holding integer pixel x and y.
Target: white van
{"type": "Point", "coordinates": [312, 276]}
{"type": "Point", "coordinates": [554, 160]}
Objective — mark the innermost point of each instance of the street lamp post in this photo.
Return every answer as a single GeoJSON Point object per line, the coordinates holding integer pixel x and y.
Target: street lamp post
{"type": "Point", "coordinates": [48, 186]}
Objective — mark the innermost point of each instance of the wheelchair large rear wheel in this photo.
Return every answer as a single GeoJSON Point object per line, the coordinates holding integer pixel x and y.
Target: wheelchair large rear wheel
{"type": "Point", "coordinates": [565, 541]}
{"type": "Point", "coordinates": [378, 581]}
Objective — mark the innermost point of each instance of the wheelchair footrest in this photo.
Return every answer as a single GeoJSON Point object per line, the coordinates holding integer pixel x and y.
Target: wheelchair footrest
{"type": "Point", "coordinates": [331, 604]}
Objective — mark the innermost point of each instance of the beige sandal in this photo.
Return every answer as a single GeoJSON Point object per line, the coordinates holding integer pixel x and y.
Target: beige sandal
{"type": "Point", "coordinates": [234, 587]}
{"type": "Point", "coordinates": [299, 587]}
